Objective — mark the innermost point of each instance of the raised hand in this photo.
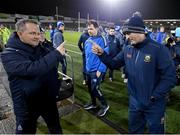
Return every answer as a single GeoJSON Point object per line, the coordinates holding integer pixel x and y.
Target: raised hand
{"type": "Point", "coordinates": [61, 48]}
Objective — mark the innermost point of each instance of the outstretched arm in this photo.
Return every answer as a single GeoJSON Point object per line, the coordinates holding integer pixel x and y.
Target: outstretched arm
{"type": "Point", "coordinates": [114, 63]}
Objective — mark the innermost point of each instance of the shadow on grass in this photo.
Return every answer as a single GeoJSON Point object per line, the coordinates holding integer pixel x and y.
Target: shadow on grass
{"type": "Point", "coordinates": [81, 122]}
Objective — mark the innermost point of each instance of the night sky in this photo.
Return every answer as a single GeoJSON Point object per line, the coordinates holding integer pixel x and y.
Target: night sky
{"type": "Point", "coordinates": [150, 9]}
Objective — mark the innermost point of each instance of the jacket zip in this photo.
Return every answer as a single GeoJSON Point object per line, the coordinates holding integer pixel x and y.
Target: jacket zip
{"type": "Point", "coordinates": [137, 56]}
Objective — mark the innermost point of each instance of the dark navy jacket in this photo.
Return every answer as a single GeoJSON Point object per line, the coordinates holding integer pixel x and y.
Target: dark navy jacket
{"type": "Point", "coordinates": [150, 70]}
{"type": "Point", "coordinates": [81, 42]}
{"type": "Point", "coordinates": [177, 52]}
{"type": "Point", "coordinates": [32, 73]}
{"type": "Point", "coordinates": [113, 46]}
{"type": "Point", "coordinates": [93, 63]}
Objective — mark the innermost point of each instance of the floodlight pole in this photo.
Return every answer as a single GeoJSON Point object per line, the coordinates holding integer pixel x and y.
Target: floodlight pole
{"type": "Point", "coordinates": [79, 17]}
{"type": "Point", "coordinates": [97, 17]}
{"type": "Point", "coordinates": [111, 11]}
{"type": "Point", "coordinates": [57, 13]}
{"type": "Point", "coordinates": [87, 17]}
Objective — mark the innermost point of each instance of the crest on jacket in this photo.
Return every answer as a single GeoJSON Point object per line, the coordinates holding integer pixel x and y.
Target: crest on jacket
{"type": "Point", "coordinates": [147, 58]}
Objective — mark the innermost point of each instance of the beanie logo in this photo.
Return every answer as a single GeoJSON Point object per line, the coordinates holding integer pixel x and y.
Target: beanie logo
{"type": "Point", "coordinates": [147, 58]}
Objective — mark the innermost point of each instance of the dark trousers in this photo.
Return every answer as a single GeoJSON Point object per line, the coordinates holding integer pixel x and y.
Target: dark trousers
{"type": "Point", "coordinates": [26, 123]}
{"type": "Point", "coordinates": [151, 114]}
{"type": "Point", "coordinates": [110, 73]}
{"type": "Point", "coordinates": [94, 88]}
{"type": "Point", "coordinates": [64, 65]}
{"type": "Point", "coordinates": [84, 67]}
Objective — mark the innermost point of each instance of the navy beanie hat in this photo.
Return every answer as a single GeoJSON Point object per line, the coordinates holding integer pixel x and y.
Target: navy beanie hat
{"type": "Point", "coordinates": [134, 24]}
{"type": "Point", "coordinates": [59, 23]}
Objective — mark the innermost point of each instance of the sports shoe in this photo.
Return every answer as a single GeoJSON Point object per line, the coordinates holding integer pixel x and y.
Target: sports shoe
{"type": "Point", "coordinates": [84, 82]}
{"type": "Point", "coordinates": [90, 106]}
{"type": "Point", "coordinates": [64, 78]}
{"type": "Point", "coordinates": [125, 80]}
{"type": "Point", "coordinates": [103, 111]}
{"type": "Point", "coordinates": [110, 79]}
{"type": "Point", "coordinates": [123, 76]}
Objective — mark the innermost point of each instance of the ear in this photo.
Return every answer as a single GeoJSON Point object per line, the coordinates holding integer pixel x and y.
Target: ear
{"type": "Point", "coordinates": [19, 33]}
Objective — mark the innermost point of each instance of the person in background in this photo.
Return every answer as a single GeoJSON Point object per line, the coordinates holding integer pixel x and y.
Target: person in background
{"type": "Point", "coordinates": [170, 44]}
{"type": "Point", "coordinates": [51, 30]}
{"type": "Point", "coordinates": [5, 34]}
{"type": "Point", "coordinates": [161, 35]}
{"type": "Point", "coordinates": [177, 46]}
{"type": "Point", "coordinates": [177, 54]}
{"type": "Point", "coordinates": [81, 45]}
{"type": "Point", "coordinates": [58, 39]}
{"type": "Point", "coordinates": [113, 47]}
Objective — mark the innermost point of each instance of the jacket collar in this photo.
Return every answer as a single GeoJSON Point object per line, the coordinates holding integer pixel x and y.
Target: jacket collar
{"type": "Point", "coordinates": [142, 44]}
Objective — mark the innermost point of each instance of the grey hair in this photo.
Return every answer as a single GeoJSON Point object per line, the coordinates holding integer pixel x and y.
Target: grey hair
{"type": "Point", "coordinates": [20, 25]}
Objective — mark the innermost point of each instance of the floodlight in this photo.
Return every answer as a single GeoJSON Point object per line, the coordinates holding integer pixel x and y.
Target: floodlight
{"type": "Point", "coordinates": [113, 2]}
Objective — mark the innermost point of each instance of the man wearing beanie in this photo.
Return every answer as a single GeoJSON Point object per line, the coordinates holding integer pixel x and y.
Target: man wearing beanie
{"type": "Point", "coordinates": [151, 75]}
{"type": "Point", "coordinates": [58, 39]}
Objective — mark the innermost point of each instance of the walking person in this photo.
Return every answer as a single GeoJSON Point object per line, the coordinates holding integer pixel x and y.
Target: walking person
{"type": "Point", "coordinates": [95, 69]}
{"type": "Point", "coordinates": [151, 75]}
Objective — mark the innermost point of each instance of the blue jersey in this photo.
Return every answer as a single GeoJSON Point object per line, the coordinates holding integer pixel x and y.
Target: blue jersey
{"type": "Point", "coordinates": [93, 63]}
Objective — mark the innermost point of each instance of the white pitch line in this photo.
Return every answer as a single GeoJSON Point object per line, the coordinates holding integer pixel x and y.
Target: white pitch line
{"type": "Point", "coordinates": [72, 45]}
{"type": "Point", "coordinates": [74, 52]}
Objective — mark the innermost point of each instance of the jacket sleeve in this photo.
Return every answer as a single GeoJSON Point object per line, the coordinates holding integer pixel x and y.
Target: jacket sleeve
{"type": "Point", "coordinates": [167, 72]}
{"type": "Point", "coordinates": [15, 64]}
{"type": "Point", "coordinates": [115, 63]}
{"type": "Point", "coordinates": [80, 43]}
{"type": "Point", "coordinates": [102, 67]}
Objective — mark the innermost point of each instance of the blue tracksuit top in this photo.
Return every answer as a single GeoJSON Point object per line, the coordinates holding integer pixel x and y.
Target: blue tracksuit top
{"type": "Point", "coordinates": [93, 63]}
{"type": "Point", "coordinates": [160, 37]}
{"type": "Point", "coordinates": [150, 69]}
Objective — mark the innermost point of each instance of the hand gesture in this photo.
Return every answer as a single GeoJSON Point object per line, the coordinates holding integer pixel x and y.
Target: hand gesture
{"type": "Point", "coordinates": [61, 48]}
{"type": "Point", "coordinates": [98, 73]}
{"type": "Point", "coordinates": [96, 49]}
